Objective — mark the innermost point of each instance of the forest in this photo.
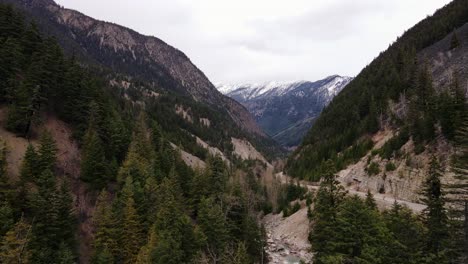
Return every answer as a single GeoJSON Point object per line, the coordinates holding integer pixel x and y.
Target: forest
{"type": "Point", "coordinates": [150, 206]}
{"type": "Point", "coordinates": [341, 133]}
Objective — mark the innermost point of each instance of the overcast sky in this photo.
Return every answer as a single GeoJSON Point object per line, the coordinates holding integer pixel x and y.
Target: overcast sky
{"type": "Point", "coordinates": [263, 40]}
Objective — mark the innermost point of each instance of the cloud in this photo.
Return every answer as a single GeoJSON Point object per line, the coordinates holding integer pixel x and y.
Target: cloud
{"type": "Point", "coordinates": [262, 40]}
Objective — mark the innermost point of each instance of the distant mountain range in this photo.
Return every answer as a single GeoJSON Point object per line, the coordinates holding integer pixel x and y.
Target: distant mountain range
{"type": "Point", "coordinates": [286, 110]}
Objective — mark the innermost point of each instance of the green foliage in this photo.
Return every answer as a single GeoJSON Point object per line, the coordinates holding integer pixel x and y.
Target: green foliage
{"type": "Point", "coordinates": [390, 166]}
{"type": "Point", "coordinates": [14, 244]}
{"type": "Point", "coordinates": [324, 217]}
{"type": "Point", "coordinates": [435, 215]}
{"type": "Point", "coordinates": [213, 226]}
{"type": "Point", "coordinates": [351, 116]}
{"type": "Point", "coordinates": [140, 216]}
{"type": "Point", "coordinates": [47, 153]}
{"type": "Point", "coordinates": [105, 238]}
{"type": "Point", "coordinates": [407, 233]}
{"type": "Point", "coordinates": [93, 162]}
{"type": "Point", "coordinates": [287, 194]}
{"type": "Point", "coordinates": [373, 169]}
{"type": "Point", "coordinates": [391, 147]}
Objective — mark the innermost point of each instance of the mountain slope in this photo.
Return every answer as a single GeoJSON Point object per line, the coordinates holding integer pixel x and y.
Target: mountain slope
{"type": "Point", "coordinates": [361, 108]}
{"type": "Point", "coordinates": [286, 111]}
{"type": "Point", "coordinates": [127, 52]}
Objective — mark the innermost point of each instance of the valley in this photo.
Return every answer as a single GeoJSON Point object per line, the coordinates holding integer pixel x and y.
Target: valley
{"type": "Point", "coordinates": [115, 148]}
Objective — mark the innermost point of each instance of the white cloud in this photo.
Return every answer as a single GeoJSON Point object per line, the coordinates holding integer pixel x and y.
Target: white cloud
{"type": "Point", "coordinates": [263, 40]}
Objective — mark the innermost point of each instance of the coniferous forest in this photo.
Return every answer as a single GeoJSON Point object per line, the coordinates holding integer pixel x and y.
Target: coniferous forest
{"type": "Point", "coordinates": [120, 186]}
{"type": "Point", "coordinates": [150, 206]}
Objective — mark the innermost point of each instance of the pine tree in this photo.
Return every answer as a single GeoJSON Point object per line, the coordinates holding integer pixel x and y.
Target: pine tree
{"type": "Point", "coordinates": [370, 201]}
{"type": "Point", "coordinates": [176, 239]}
{"type": "Point", "coordinates": [131, 232]}
{"type": "Point", "coordinates": [54, 223]}
{"type": "Point", "coordinates": [458, 190]}
{"type": "Point", "coordinates": [93, 161]}
{"type": "Point", "coordinates": [47, 152]}
{"type": "Point", "coordinates": [29, 165]}
{"type": "Point", "coordinates": [408, 234]}
{"type": "Point", "coordinates": [105, 239]}
{"type": "Point", "coordinates": [360, 233]}
{"type": "Point", "coordinates": [5, 188]}
{"type": "Point", "coordinates": [329, 197]}
{"type": "Point", "coordinates": [214, 228]}
{"type": "Point", "coordinates": [28, 174]}
{"type": "Point", "coordinates": [435, 215]}
{"type": "Point", "coordinates": [218, 177]}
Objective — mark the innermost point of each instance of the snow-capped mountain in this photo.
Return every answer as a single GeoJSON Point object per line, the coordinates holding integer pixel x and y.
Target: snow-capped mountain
{"type": "Point", "coordinates": [286, 110]}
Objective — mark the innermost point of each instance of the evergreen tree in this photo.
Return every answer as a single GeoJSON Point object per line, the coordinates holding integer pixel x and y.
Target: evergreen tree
{"type": "Point", "coordinates": [214, 228]}
{"type": "Point", "coordinates": [47, 152]}
{"type": "Point", "coordinates": [435, 215]}
{"type": "Point", "coordinates": [54, 225]}
{"type": "Point", "coordinates": [105, 238]}
{"type": "Point", "coordinates": [29, 165]}
{"type": "Point", "coordinates": [360, 233]}
{"type": "Point", "coordinates": [329, 197]}
{"type": "Point", "coordinates": [176, 239]}
{"type": "Point", "coordinates": [28, 174]}
{"type": "Point", "coordinates": [370, 201]}
{"type": "Point", "coordinates": [131, 232]}
{"type": "Point", "coordinates": [5, 188]}
{"type": "Point", "coordinates": [458, 190]}
{"type": "Point", "coordinates": [93, 162]}
{"type": "Point", "coordinates": [407, 233]}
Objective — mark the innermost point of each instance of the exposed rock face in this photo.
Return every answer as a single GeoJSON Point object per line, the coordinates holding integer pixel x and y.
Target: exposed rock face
{"type": "Point", "coordinates": [128, 52]}
{"type": "Point", "coordinates": [287, 238]}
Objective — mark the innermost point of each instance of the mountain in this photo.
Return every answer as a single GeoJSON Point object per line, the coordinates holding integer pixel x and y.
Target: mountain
{"type": "Point", "coordinates": [100, 165]}
{"type": "Point", "coordinates": [286, 110]}
{"type": "Point", "coordinates": [124, 51]}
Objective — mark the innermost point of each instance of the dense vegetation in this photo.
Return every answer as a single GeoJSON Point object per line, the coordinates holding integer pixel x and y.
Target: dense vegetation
{"type": "Point", "coordinates": [151, 207]}
{"type": "Point", "coordinates": [340, 133]}
{"type": "Point", "coordinates": [347, 229]}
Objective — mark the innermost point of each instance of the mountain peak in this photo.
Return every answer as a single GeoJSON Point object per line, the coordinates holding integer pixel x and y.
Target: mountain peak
{"type": "Point", "coordinates": [286, 110]}
{"type": "Point", "coordinates": [250, 91]}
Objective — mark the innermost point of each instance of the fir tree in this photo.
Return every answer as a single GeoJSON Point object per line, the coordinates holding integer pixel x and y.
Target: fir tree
{"type": "Point", "coordinates": [105, 238]}
{"type": "Point", "coordinates": [435, 215]}
{"type": "Point", "coordinates": [214, 228]}
{"type": "Point", "coordinates": [29, 165]}
{"type": "Point", "coordinates": [93, 162]}
{"type": "Point", "coordinates": [47, 152]}
{"type": "Point", "coordinates": [131, 232]}
{"type": "Point", "coordinates": [328, 199]}
{"type": "Point", "coordinates": [407, 233]}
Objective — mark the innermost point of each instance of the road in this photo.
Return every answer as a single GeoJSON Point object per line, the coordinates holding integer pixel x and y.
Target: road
{"type": "Point", "coordinates": [384, 201]}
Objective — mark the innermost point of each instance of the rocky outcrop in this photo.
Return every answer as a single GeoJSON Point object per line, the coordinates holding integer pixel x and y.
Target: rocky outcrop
{"type": "Point", "coordinates": [127, 52]}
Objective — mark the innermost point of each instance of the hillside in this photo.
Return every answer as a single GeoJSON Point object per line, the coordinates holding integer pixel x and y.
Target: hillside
{"type": "Point", "coordinates": [394, 92]}
{"type": "Point", "coordinates": [131, 60]}
{"type": "Point", "coordinates": [286, 111]}
{"type": "Point", "coordinates": [94, 167]}
{"type": "Point", "coordinates": [399, 130]}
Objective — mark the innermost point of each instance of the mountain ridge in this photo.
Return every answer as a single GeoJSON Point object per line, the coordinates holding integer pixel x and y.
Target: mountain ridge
{"type": "Point", "coordinates": [124, 50]}
{"type": "Point", "coordinates": [286, 110]}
